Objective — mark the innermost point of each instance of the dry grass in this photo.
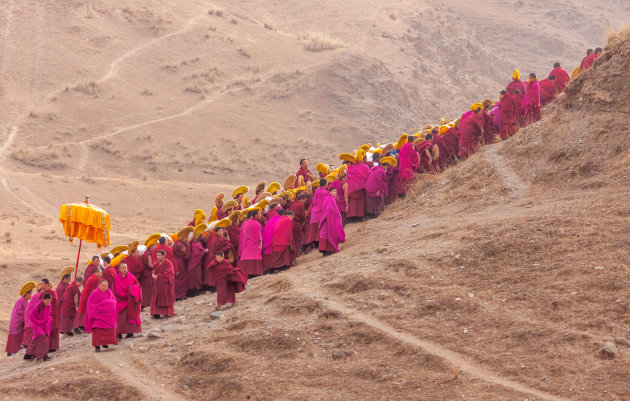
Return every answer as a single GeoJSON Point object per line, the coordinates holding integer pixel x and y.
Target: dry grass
{"type": "Point", "coordinates": [87, 88]}
{"type": "Point", "coordinates": [48, 158]}
{"type": "Point", "coordinates": [320, 43]}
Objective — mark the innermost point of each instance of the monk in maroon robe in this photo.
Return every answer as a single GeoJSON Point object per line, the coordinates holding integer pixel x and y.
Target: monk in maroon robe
{"type": "Point", "coordinates": [146, 280]}
{"type": "Point", "coordinates": [586, 60]}
{"type": "Point", "coordinates": [109, 273]}
{"type": "Point", "coordinates": [134, 264]}
{"type": "Point", "coordinates": [229, 280]}
{"type": "Point", "coordinates": [181, 254]}
{"type": "Point", "coordinates": [304, 172]}
{"type": "Point", "coordinates": [562, 77]}
{"type": "Point", "coordinates": [163, 300]}
{"type": "Point", "coordinates": [89, 286]}
{"type": "Point", "coordinates": [509, 123]}
{"type": "Point", "coordinates": [531, 101]}
{"type": "Point", "coordinates": [547, 90]}
{"type": "Point", "coordinates": [92, 267]}
{"type": "Point", "coordinates": [517, 98]}
{"type": "Point", "coordinates": [216, 243]}
{"type": "Point", "coordinates": [163, 246]}
{"type": "Point", "coordinates": [195, 264]}
{"type": "Point", "coordinates": [488, 127]}
{"type": "Point", "coordinates": [426, 162]}
{"type": "Point", "coordinates": [61, 288]}
{"type": "Point", "coordinates": [69, 306]}
{"type": "Point", "coordinates": [376, 190]}
{"type": "Point", "coordinates": [450, 140]}
{"type": "Point", "coordinates": [299, 217]}
{"type": "Point", "coordinates": [471, 134]}
{"type": "Point", "coordinates": [41, 320]}
{"type": "Point", "coordinates": [515, 84]}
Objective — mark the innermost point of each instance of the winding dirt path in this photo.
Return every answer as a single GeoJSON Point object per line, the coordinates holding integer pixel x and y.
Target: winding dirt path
{"type": "Point", "coordinates": [512, 181]}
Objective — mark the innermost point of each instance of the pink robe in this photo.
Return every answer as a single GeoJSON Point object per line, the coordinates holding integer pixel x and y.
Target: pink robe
{"type": "Point", "coordinates": [28, 327]}
{"type": "Point", "coordinates": [41, 320]}
{"type": "Point", "coordinates": [531, 103]}
{"type": "Point", "coordinates": [357, 176]}
{"type": "Point", "coordinates": [282, 243]}
{"type": "Point", "coordinates": [16, 326]}
{"type": "Point", "coordinates": [311, 229]}
{"type": "Point", "coordinates": [101, 310]}
{"type": "Point", "coordinates": [267, 240]}
{"type": "Point", "coordinates": [331, 231]}
{"type": "Point", "coordinates": [128, 304]}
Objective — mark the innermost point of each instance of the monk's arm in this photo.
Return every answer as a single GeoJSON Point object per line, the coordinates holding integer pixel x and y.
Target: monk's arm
{"type": "Point", "coordinates": [76, 299]}
{"type": "Point", "coordinates": [345, 194]}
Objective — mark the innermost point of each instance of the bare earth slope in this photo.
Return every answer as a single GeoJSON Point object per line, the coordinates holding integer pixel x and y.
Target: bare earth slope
{"type": "Point", "coordinates": [499, 279]}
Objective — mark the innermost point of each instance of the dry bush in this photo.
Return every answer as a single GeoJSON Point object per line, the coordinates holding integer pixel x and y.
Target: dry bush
{"type": "Point", "coordinates": [244, 53]}
{"type": "Point", "coordinates": [146, 92]}
{"type": "Point", "coordinates": [267, 26]}
{"type": "Point", "coordinates": [88, 88]}
{"type": "Point", "coordinates": [320, 42]}
{"type": "Point", "coordinates": [49, 158]}
{"type": "Point", "coordinates": [105, 146]}
{"type": "Point", "coordinates": [280, 343]}
{"type": "Point", "coordinates": [207, 361]}
{"type": "Point", "coordinates": [233, 21]}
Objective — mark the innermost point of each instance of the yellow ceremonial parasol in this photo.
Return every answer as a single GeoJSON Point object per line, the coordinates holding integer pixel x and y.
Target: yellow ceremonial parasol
{"type": "Point", "coordinates": [87, 222]}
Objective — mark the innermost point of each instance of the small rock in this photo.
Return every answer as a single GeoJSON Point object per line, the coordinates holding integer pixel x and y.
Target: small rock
{"type": "Point", "coordinates": [142, 349]}
{"type": "Point", "coordinates": [465, 331]}
{"type": "Point", "coordinates": [471, 295]}
{"type": "Point", "coordinates": [166, 328]}
{"type": "Point", "coordinates": [545, 379]}
{"type": "Point", "coordinates": [56, 381]}
{"type": "Point", "coordinates": [98, 372]}
{"type": "Point", "coordinates": [608, 351]}
{"type": "Point", "coordinates": [316, 341]}
{"type": "Point", "coordinates": [462, 267]}
{"type": "Point", "coordinates": [185, 387]}
{"type": "Point", "coordinates": [121, 365]}
{"type": "Point", "coordinates": [153, 335]}
{"type": "Point", "coordinates": [190, 343]}
{"type": "Point", "coordinates": [599, 268]}
{"type": "Point", "coordinates": [458, 299]}
{"type": "Point", "coordinates": [340, 342]}
{"type": "Point", "coordinates": [624, 341]}
{"type": "Point", "coordinates": [330, 391]}
{"type": "Point", "coordinates": [573, 293]}
{"type": "Point", "coordinates": [52, 369]}
{"type": "Point", "coordinates": [217, 314]}
{"type": "Point", "coordinates": [415, 225]}
{"type": "Point", "coordinates": [336, 354]}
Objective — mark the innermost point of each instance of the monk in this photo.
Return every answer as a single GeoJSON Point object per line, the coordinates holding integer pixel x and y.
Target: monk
{"type": "Point", "coordinates": [229, 281]}
{"type": "Point", "coordinates": [562, 77]}
{"type": "Point", "coordinates": [299, 217]}
{"type": "Point", "coordinates": [488, 123]}
{"type": "Point", "coordinates": [303, 171]}
{"type": "Point", "coordinates": [89, 286]}
{"type": "Point", "coordinates": [357, 176]}
{"type": "Point", "coordinates": [518, 103]}
{"type": "Point", "coordinates": [28, 327]}
{"type": "Point", "coordinates": [341, 186]}
{"type": "Point", "coordinates": [586, 61]}
{"type": "Point", "coordinates": [426, 162]}
{"type": "Point", "coordinates": [146, 281]}
{"type": "Point", "coordinates": [312, 228]}
{"type": "Point", "coordinates": [133, 261]}
{"type": "Point", "coordinates": [61, 288]}
{"type": "Point", "coordinates": [41, 319]}
{"type": "Point", "coordinates": [163, 246]}
{"type": "Point", "coordinates": [181, 254]}
{"type": "Point", "coordinates": [531, 101]}
{"type": "Point", "coordinates": [162, 302]}
{"type": "Point", "coordinates": [128, 303]}
{"type": "Point", "coordinates": [100, 318]}
{"type": "Point", "coordinates": [234, 234]}
{"type": "Point", "coordinates": [509, 115]}
{"type": "Point", "coordinates": [109, 272]}
{"type": "Point", "coordinates": [450, 139]}
{"type": "Point", "coordinates": [92, 267]}
{"type": "Point", "coordinates": [376, 190]}
{"type": "Point", "coordinates": [471, 133]}
{"type": "Point", "coordinates": [282, 243]}
{"type": "Point", "coordinates": [250, 248]}
{"type": "Point", "coordinates": [69, 306]}
{"type": "Point", "coordinates": [547, 90]}
{"type": "Point", "coordinates": [331, 231]}
{"type": "Point", "coordinates": [407, 165]}
{"type": "Point", "coordinates": [216, 243]}
{"type": "Point", "coordinates": [195, 262]}
{"type": "Point", "coordinates": [515, 84]}
{"type": "Point", "coordinates": [267, 238]}
{"type": "Point", "coordinates": [16, 324]}
{"type": "Point", "coordinates": [53, 334]}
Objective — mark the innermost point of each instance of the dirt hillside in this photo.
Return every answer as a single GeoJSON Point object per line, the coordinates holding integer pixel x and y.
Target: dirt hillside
{"type": "Point", "coordinates": [498, 279]}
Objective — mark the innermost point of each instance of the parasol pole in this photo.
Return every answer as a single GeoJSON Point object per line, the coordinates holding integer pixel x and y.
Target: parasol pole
{"type": "Point", "coordinates": [76, 268]}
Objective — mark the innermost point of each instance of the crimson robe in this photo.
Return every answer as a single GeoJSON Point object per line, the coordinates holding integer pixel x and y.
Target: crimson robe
{"type": "Point", "coordinates": [518, 103]}
{"type": "Point", "coordinates": [426, 166]}
{"type": "Point", "coordinates": [181, 253]}
{"type": "Point", "coordinates": [299, 217]}
{"type": "Point", "coordinates": [217, 244]}
{"type": "Point", "coordinates": [163, 300]}
{"type": "Point", "coordinates": [547, 92]}
{"type": "Point", "coordinates": [282, 243]}
{"type": "Point", "coordinates": [470, 136]}
{"type": "Point", "coordinates": [61, 288]}
{"type": "Point", "coordinates": [68, 310]}
{"type": "Point", "coordinates": [109, 274]}
{"type": "Point", "coordinates": [562, 78]}
{"type": "Point", "coordinates": [531, 103]}
{"type": "Point", "coordinates": [509, 115]}
{"type": "Point", "coordinates": [451, 143]}
{"type": "Point", "coordinates": [89, 271]}
{"type": "Point", "coordinates": [195, 265]}
{"type": "Point", "coordinates": [226, 290]}
{"type": "Point", "coordinates": [514, 85]}
{"type": "Point", "coordinates": [488, 127]}
{"type": "Point", "coordinates": [146, 280]}
{"type": "Point", "coordinates": [135, 266]}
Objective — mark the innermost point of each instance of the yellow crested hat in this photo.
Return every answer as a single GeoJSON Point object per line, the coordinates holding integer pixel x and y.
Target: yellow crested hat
{"type": "Point", "coordinates": [275, 201]}
{"type": "Point", "coordinates": [152, 240]}
{"type": "Point", "coordinates": [132, 247]}
{"type": "Point", "coordinates": [262, 204]}
{"type": "Point", "coordinates": [365, 147]}
{"type": "Point", "coordinates": [389, 160]}
{"type": "Point", "coordinates": [289, 182]}
{"type": "Point", "coordinates": [322, 168]}
{"type": "Point", "coordinates": [197, 211]}
{"type": "Point", "coordinates": [27, 287]}
{"type": "Point", "coordinates": [229, 205]}
{"type": "Point", "coordinates": [218, 202]}
{"type": "Point", "coordinates": [301, 181]}
{"type": "Point", "coordinates": [261, 186]}
{"type": "Point", "coordinates": [200, 229]}
{"type": "Point", "coordinates": [516, 75]}
{"type": "Point", "coordinates": [213, 214]}
{"type": "Point", "coordinates": [118, 249]}
{"type": "Point", "coordinates": [286, 195]}
{"type": "Point", "coordinates": [240, 191]}
{"type": "Point", "coordinates": [246, 202]}
{"type": "Point", "coordinates": [347, 157]}
{"type": "Point", "coordinates": [273, 187]}
{"type": "Point", "coordinates": [223, 223]}
{"type": "Point", "coordinates": [262, 196]}
{"type": "Point", "coordinates": [444, 128]}
{"type": "Point", "coordinates": [235, 216]}
{"type": "Point", "coordinates": [401, 141]}
{"type": "Point", "coordinates": [360, 155]}
{"type": "Point", "coordinates": [342, 170]}
{"type": "Point", "coordinates": [200, 218]}
{"type": "Point", "coordinates": [67, 270]}
{"type": "Point", "coordinates": [476, 106]}
{"type": "Point", "coordinates": [185, 232]}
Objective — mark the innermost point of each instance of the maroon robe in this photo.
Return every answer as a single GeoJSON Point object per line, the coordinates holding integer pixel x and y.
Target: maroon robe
{"type": "Point", "coordinates": [163, 300]}
{"type": "Point", "coordinates": [470, 136]}
{"type": "Point", "coordinates": [488, 127]}
{"type": "Point", "coordinates": [425, 166]}
{"type": "Point", "coordinates": [518, 103]}
{"type": "Point", "coordinates": [299, 217]}
{"type": "Point", "coordinates": [89, 271]}
{"type": "Point", "coordinates": [181, 254]}
{"type": "Point", "coordinates": [88, 286]}
{"type": "Point", "coordinates": [217, 244]}
{"type": "Point", "coordinates": [68, 310]}
{"type": "Point", "coordinates": [514, 85]}
{"type": "Point", "coordinates": [195, 265]}
{"type": "Point", "coordinates": [547, 92]}
{"type": "Point", "coordinates": [226, 281]}
{"type": "Point", "coordinates": [562, 78]}
{"type": "Point", "coordinates": [61, 288]}
{"type": "Point", "coordinates": [135, 266]}
{"type": "Point", "coordinates": [146, 280]}
{"type": "Point", "coordinates": [509, 115]}
{"type": "Point", "coordinates": [109, 274]}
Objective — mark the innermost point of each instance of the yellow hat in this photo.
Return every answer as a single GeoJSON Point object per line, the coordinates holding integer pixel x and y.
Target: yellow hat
{"type": "Point", "coordinates": [322, 168]}
{"type": "Point", "coordinates": [347, 157]}
{"type": "Point", "coordinates": [365, 147]}
{"type": "Point", "coordinates": [286, 195]}
{"type": "Point", "coordinates": [197, 211]}
{"type": "Point", "coordinates": [444, 128]}
{"type": "Point", "coordinates": [185, 232]}
{"type": "Point", "coordinates": [516, 75]}
{"type": "Point", "coordinates": [401, 141]}
{"type": "Point", "coordinates": [476, 106]}
{"type": "Point", "coordinates": [331, 177]}
{"type": "Point", "coordinates": [243, 213]}
{"type": "Point", "coordinates": [218, 202]}
{"type": "Point", "coordinates": [235, 216]}
{"type": "Point", "coordinates": [174, 237]}
{"type": "Point", "coordinates": [262, 204]}
{"type": "Point", "coordinates": [67, 270]}
{"type": "Point", "coordinates": [312, 185]}
{"type": "Point", "coordinates": [457, 122]}
{"type": "Point", "coordinates": [118, 259]}
{"type": "Point", "coordinates": [200, 229]}
{"type": "Point", "coordinates": [132, 247]}
{"type": "Point", "coordinates": [262, 196]}
{"type": "Point", "coordinates": [360, 155]}
{"type": "Point", "coordinates": [389, 160]}
{"type": "Point", "coordinates": [27, 287]}
{"type": "Point", "coordinates": [261, 186]}
{"type": "Point", "coordinates": [289, 183]}
{"type": "Point", "coordinates": [229, 205]}
{"type": "Point", "coordinates": [118, 249]}
{"type": "Point", "coordinates": [152, 240]}
{"type": "Point", "coordinates": [240, 191]}
{"type": "Point", "coordinates": [246, 202]}
{"type": "Point", "coordinates": [104, 254]}
{"type": "Point", "coordinates": [273, 187]}
{"type": "Point", "coordinates": [388, 148]}
{"type": "Point", "coordinates": [275, 201]}
{"type": "Point", "coordinates": [213, 214]}
{"type": "Point", "coordinates": [301, 181]}
{"type": "Point", "coordinates": [200, 218]}
{"type": "Point", "coordinates": [342, 170]}
{"type": "Point", "coordinates": [223, 223]}
{"type": "Point", "coordinates": [487, 103]}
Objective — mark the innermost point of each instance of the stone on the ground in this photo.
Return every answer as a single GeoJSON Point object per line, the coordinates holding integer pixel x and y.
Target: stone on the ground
{"type": "Point", "coordinates": [217, 314]}
{"type": "Point", "coordinates": [608, 351]}
{"type": "Point", "coordinates": [153, 335]}
{"type": "Point", "coordinates": [336, 354]}
{"type": "Point", "coordinates": [624, 341]}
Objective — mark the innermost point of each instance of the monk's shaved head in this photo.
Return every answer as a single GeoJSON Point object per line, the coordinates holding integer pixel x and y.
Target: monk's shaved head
{"type": "Point", "coordinates": [556, 65]}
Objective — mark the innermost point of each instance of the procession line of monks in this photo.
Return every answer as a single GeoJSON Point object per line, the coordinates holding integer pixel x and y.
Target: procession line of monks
{"type": "Point", "coordinates": [245, 238]}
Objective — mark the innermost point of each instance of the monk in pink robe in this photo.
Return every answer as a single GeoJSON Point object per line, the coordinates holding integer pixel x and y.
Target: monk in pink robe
{"type": "Point", "coordinates": [376, 190]}
{"type": "Point", "coordinates": [341, 186]}
{"type": "Point", "coordinates": [547, 90]}
{"type": "Point", "coordinates": [101, 317]}
{"type": "Point", "coordinates": [128, 303]}
{"type": "Point", "coordinates": [267, 238]}
{"type": "Point", "coordinates": [531, 101]}
{"type": "Point", "coordinates": [195, 264]}
{"type": "Point", "coordinates": [146, 280]}
{"type": "Point", "coordinates": [41, 319]}
{"type": "Point", "coordinates": [181, 254]}
{"type": "Point", "coordinates": [471, 135]}
{"type": "Point", "coordinates": [312, 228]}
{"type": "Point", "coordinates": [250, 249]}
{"type": "Point", "coordinates": [509, 122]}
{"type": "Point", "coordinates": [331, 231]}
{"type": "Point", "coordinates": [28, 327]}
{"type": "Point", "coordinates": [53, 334]}
{"type": "Point", "coordinates": [562, 77]}
{"type": "Point", "coordinates": [163, 300]}
{"type": "Point", "coordinates": [16, 324]}
{"type": "Point", "coordinates": [282, 245]}
{"type": "Point", "coordinates": [357, 176]}
{"type": "Point", "coordinates": [229, 280]}
{"type": "Point", "coordinates": [69, 306]}
{"type": "Point", "coordinates": [407, 165]}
